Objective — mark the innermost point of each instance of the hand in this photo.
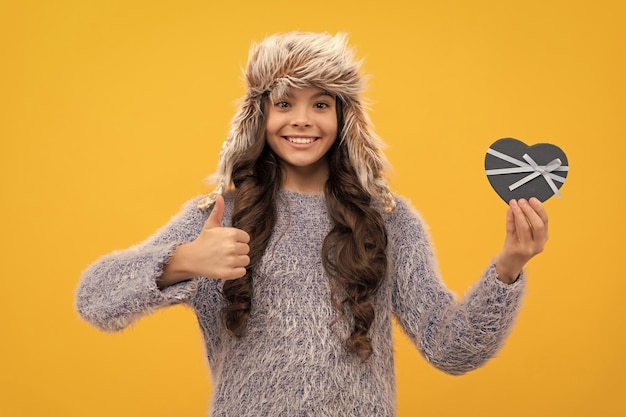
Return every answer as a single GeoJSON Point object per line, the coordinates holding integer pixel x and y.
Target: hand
{"type": "Point", "coordinates": [218, 252]}
{"type": "Point", "coordinates": [526, 236]}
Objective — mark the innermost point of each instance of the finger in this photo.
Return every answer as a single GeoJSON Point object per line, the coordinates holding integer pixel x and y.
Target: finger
{"type": "Point", "coordinates": [538, 207]}
{"type": "Point", "coordinates": [239, 272]}
{"type": "Point", "coordinates": [242, 261]}
{"type": "Point", "coordinates": [234, 235]}
{"type": "Point", "coordinates": [215, 218]}
{"type": "Point", "coordinates": [510, 220]}
{"type": "Point", "coordinates": [234, 273]}
{"type": "Point", "coordinates": [537, 224]}
{"type": "Point", "coordinates": [241, 236]}
{"type": "Point", "coordinates": [236, 261]}
{"type": "Point", "coordinates": [522, 227]}
{"type": "Point", "coordinates": [242, 248]}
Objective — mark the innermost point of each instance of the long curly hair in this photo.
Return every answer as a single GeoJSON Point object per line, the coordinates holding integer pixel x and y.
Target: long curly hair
{"type": "Point", "coordinates": [353, 252]}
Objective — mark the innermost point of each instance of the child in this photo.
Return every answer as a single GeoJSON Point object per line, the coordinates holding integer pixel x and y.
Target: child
{"type": "Point", "coordinates": [298, 261]}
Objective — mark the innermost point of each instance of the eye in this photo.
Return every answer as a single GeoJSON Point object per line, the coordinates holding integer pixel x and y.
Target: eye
{"type": "Point", "coordinates": [322, 105]}
{"type": "Point", "coordinates": [281, 104]}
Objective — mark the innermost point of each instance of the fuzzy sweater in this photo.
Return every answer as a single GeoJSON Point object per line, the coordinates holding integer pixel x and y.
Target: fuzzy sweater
{"type": "Point", "coordinates": [292, 361]}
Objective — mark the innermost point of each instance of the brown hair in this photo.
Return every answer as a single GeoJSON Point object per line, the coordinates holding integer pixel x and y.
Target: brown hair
{"type": "Point", "coordinates": [358, 238]}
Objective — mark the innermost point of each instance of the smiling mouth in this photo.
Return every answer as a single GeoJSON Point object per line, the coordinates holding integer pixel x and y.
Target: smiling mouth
{"type": "Point", "coordinates": [300, 140]}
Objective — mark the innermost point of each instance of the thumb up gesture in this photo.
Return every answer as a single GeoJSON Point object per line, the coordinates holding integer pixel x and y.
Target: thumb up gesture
{"type": "Point", "coordinates": [223, 250]}
{"type": "Point", "coordinates": [218, 252]}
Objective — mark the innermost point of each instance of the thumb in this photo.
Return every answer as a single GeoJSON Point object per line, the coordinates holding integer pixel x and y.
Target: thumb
{"type": "Point", "coordinates": [215, 218]}
{"type": "Point", "coordinates": [510, 219]}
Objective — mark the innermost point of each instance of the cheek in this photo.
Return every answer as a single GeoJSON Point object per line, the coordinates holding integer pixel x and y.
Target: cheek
{"type": "Point", "coordinates": [330, 125]}
{"type": "Point", "coordinates": [272, 127]}
{"type": "Point", "coordinates": [271, 137]}
{"type": "Point", "coordinates": [274, 122]}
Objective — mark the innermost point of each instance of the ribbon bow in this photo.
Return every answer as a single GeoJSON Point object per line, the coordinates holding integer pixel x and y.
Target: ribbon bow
{"type": "Point", "coordinates": [529, 166]}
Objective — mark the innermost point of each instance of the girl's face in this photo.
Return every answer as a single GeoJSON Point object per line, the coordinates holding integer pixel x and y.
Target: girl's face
{"type": "Point", "coordinates": [301, 127]}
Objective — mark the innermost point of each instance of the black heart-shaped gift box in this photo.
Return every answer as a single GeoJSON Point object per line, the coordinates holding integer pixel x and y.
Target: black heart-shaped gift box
{"type": "Point", "coordinates": [516, 170]}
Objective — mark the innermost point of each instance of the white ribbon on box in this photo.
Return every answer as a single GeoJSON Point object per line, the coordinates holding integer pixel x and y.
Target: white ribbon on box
{"type": "Point", "coordinates": [530, 166]}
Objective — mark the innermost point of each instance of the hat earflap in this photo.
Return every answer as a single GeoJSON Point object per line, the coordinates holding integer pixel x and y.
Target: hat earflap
{"type": "Point", "coordinates": [246, 124]}
{"type": "Point", "coordinates": [365, 153]}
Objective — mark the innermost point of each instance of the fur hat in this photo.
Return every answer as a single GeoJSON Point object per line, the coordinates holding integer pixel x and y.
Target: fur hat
{"type": "Point", "coordinates": [297, 60]}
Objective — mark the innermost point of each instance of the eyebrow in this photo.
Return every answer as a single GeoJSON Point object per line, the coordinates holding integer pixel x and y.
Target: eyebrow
{"type": "Point", "coordinates": [316, 95]}
{"type": "Point", "coordinates": [324, 93]}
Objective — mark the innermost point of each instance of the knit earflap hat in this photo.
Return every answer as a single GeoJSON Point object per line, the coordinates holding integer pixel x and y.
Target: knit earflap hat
{"type": "Point", "coordinates": [297, 60]}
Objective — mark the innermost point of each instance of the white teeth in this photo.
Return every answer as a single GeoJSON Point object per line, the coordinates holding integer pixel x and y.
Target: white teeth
{"type": "Point", "coordinates": [301, 141]}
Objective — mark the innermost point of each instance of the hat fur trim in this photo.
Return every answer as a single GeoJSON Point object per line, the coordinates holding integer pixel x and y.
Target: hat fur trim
{"type": "Point", "coordinates": [297, 60]}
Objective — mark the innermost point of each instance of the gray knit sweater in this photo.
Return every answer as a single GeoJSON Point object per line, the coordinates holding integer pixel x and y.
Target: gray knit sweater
{"type": "Point", "coordinates": [291, 361]}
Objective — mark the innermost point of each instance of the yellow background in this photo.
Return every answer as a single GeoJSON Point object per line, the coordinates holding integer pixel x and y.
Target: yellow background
{"type": "Point", "coordinates": [112, 113]}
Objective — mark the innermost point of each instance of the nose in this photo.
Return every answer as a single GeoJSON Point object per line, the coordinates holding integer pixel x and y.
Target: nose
{"type": "Point", "coordinates": [301, 117]}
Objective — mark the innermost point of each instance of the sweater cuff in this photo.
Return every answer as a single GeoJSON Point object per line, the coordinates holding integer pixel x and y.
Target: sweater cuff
{"type": "Point", "coordinates": [510, 294]}
{"type": "Point", "coordinates": [173, 294]}
{"type": "Point", "coordinates": [121, 287]}
{"type": "Point", "coordinates": [493, 274]}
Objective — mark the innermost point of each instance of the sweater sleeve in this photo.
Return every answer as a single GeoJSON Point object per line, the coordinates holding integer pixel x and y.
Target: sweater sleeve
{"type": "Point", "coordinates": [120, 287]}
{"type": "Point", "coordinates": [454, 336]}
